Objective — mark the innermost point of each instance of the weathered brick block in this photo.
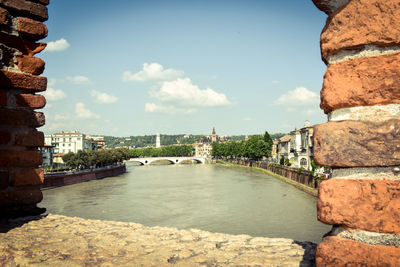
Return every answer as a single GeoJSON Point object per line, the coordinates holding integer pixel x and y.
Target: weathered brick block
{"type": "Point", "coordinates": [28, 177]}
{"type": "Point", "coordinates": [5, 137]}
{"type": "Point", "coordinates": [4, 180]}
{"type": "Point", "coordinates": [335, 251]}
{"type": "Point", "coordinates": [329, 6]}
{"type": "Point", "coordinates": [361, 82]}
{"type": "Point", "coordinates": [30, 139]}
{"type": "Point", "coordinates": [28, 8]}
{"type": "Point", "coordinates": [371, 205]}
{"type": "Point", "coordinates": [21, 117]}
{"type": "Point", "coordinates": [3, 98]}
{"type": "Point", "coordinates": [20, 197]}
{"type": "Point", "coordinates": [25, 46]}
{"type": "Point", "coordinates": [31, 101]}
{"type": "Point", "coordinates": [377, 22]}
{"type": "Point", "coordinates": [33, 65]}
{"type": "Point", "coordinates": [31, 158]}
{"type": "Point", "coordinates": [31, 28]}
{"type": "Point", "coordinates": [10, 79]}
{"type": "Point", "coordinates": [357, 143]}
{"type": "Point", "coordinates": [3, 16]}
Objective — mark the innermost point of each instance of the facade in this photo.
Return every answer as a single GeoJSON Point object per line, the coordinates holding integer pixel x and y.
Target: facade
{"type": "Point", "coordinates": [202, 150]}
{"type": "Point", "coordinates": [297, 147]}
{"type": "Point", "coordinates": [73, 141]}
{"type": "Point", "coordinates": [301, 149]}
{"type": "Point", "coordinates": [283, 148]}
{"type": "Point", "coordinates": [47, 152]}
{"type": "Point", "coordinates": [99, 140]}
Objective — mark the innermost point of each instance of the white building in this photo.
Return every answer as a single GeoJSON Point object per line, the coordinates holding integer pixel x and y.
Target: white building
{"type": "Point", "coordinates": [158, 141]}
{"type": "Point", "coordinates": [70, 142]}
{"type": "Point", "coordinates": [202, 150]}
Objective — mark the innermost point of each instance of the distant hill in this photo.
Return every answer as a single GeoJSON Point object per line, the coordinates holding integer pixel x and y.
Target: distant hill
{"type": "Point", "coordinates": [166, 140]}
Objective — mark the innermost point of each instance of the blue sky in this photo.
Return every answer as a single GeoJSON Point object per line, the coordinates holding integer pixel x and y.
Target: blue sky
{"type": "Point", "coordinates": [141, 67]}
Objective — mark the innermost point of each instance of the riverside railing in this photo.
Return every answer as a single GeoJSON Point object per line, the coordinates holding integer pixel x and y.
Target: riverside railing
{"type": "Point", "coordinates": [299, 175]}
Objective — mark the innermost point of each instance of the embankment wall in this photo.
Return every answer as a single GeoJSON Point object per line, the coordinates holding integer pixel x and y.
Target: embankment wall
{"type": "Point", "coordinates": [54, 180]}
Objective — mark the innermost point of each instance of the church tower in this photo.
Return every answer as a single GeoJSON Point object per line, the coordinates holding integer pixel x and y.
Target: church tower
{"type": "Point", "coordinates": [214, 136]}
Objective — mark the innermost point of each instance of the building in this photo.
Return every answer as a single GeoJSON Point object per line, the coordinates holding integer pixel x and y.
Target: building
{"type": "Point", "coordinates": [296, 146]}
{"type": "Point", "coordinates": [47, 152]}
{"type": "Point", "coordinates": [283, 148]}
{"type": "Point", "coordinates": [202, 150]}
{"type": "Point", "coordinates": [73, 141]}
{"type": "Point", "coordinates": [158, 141]}
{"type": "Point", "coordinates": [213, 136]}
{"type": "Point", "coordinates": [301, 147]}
{"type": "Point", "coordinates": [101, 144]}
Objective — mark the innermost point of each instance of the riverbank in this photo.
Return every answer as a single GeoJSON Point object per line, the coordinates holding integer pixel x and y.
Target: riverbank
{"type": "Point", "coordinates": [307, 189]}
{"type": "Point", "coordinates": [66, 178]}
{"type": "Point", "coordinates": [56, 240]}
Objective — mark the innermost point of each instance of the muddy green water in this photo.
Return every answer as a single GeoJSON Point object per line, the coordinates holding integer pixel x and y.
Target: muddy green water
{"type": "Point", "coordinates": [204, 196]}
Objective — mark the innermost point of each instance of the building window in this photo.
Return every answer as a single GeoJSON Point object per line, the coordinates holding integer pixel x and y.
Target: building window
{"type": "Point", "coordinates": [303, 162]}
{"type": "Point", "coordinates": [69, 144]}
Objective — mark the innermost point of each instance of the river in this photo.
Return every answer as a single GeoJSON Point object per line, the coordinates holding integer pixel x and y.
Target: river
{"type": "Point", "coordinates": [205, 196]}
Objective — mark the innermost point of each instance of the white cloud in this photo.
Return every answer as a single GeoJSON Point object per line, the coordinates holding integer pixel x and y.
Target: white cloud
{"type": "Point", "coordinates": [247, 119]}
{"type": "Point", "coordinates": [82, 112]}
{"type": "Point", "coordinates": [57, 46]}
{"type": "Point", "coordinates": [152, 72]}
{"type": "Point", "coordinates": [152, 107]}
{"type": "Point", "coordinates": [276, 82]}
{"type": "Point", "coordinates": [182, 92]}
{"type": "Point", "coordinates": [103, 98]}
{"type": "Point", "coordinates": [51, 82]}
{"type": "Point", "coordinates": [54, 95]}
{"type": "Point", "coordinates": [78, 79]}
{"type": "Point", "coordinates": [300, 96]}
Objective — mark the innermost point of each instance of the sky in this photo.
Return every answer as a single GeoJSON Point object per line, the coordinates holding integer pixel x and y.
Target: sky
{"type": "Point", "coordinates": [131, 67]}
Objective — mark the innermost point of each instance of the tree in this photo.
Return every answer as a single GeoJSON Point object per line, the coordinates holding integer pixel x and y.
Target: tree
{"type": "Point", "coordinates": [269, 142]}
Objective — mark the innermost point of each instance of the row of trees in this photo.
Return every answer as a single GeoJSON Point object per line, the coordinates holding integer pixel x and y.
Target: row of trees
{"type": "Point", "coordinates": [165, 151]}
{"type": "Point", "coordinates": [93, 159]}
{"type": "Point", "coordinates": [255, 148]}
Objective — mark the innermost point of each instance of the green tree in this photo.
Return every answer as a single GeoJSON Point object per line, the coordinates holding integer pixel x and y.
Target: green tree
{"type": "Point", "coordinates": [268, 141]}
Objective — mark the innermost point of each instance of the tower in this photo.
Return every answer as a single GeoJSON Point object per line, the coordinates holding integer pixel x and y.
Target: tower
{"type": "Point", "coordinates": [214, 136]}
{"type": "Point", "coordinates": [158, 141]}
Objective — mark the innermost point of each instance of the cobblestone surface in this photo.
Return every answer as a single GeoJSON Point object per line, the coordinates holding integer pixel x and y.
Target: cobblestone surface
{"type": "Point", "coordinates": [57, 240]}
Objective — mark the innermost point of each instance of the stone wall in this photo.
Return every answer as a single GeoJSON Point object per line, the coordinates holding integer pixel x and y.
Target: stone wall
{"type": "Point", "coordinates": [300, 176]}
{"type": "Point", "coordinates": [360, 44]}
{"type": "Point", "coordinates": [21, 26]}
{"type": "Point", "coordinates": [54, 180]}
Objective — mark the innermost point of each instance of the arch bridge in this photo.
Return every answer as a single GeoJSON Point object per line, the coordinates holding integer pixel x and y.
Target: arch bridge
{"type": "Point", "coordinates": [173, 160]}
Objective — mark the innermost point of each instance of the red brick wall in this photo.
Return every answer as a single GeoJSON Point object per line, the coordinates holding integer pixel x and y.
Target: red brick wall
{"type": "Point", "coordinates": [360, 43]}
{"type": "Point", "coordinates": [21, 27]}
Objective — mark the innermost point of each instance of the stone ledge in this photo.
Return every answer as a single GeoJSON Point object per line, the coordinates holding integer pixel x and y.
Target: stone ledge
{"type": "Point", "coordinates": [336, 251]}
{"type": "Point", "coordinates": [59, 240]}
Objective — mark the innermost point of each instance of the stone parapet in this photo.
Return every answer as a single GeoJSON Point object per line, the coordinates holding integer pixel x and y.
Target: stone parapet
{"type": "Point", "coordinates": [376, 23]}
{"type": "Point", "coordinates": [360, 43]}
{"type": "Point", "coordinates": [64, 241]}
{"type": "Point", "coordinates": [21, 25]}
{"type": "Point", "coordinates": [336, 251]}
{"type": "Point", "coordinates": [357, 144]}
{"type": "Point", "coordinates": [362, 82]}
{"type": "Point", "coordinates": [376, 202]}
